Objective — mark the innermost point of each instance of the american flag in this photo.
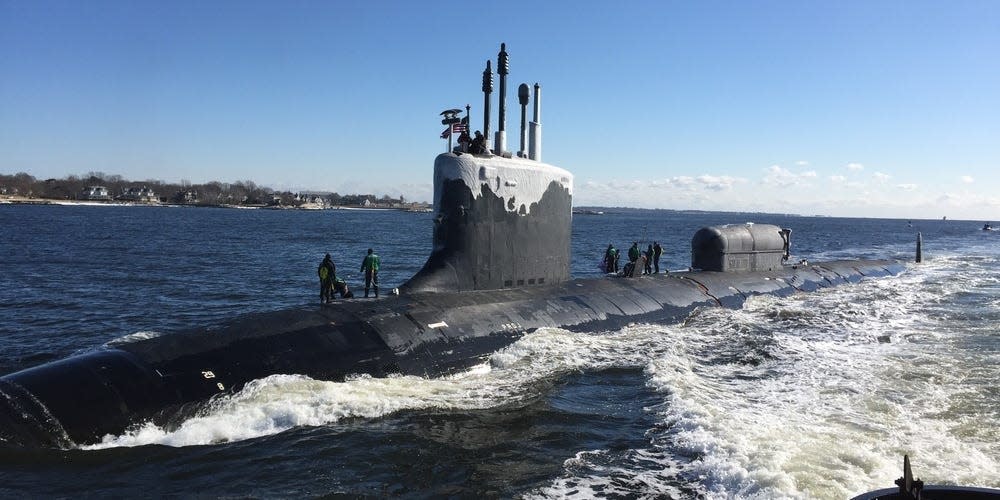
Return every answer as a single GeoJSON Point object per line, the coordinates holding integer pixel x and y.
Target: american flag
{"type": "Point", "coordinates": [456, 128]}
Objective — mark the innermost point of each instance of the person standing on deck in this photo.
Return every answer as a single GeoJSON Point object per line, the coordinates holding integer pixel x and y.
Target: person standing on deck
{"type": "Point", "coordinates": [327, 274]}
{"type": "Point", "coordinates": [611, 259]}
{"type": "Point", "coordinates": [370, 267]}
{"type": "Point", "coordinates": [648, 264]}
{"type": "Point", "coordinates": [657, 251]}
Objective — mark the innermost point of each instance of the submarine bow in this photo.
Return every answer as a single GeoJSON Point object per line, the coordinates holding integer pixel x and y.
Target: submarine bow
{"type": "Point", "coordinates": [499, 268]}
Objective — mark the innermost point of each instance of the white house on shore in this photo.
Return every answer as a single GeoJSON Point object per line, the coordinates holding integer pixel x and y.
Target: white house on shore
{"type": "Point", "coordinates": [95, 193]}
{"type": "Point", "coordinates": [143, 194]}
{"type": "Point", "coordinates": [318, 198]}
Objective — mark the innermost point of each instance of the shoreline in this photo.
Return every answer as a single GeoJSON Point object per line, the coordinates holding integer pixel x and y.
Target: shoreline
{"type": "Point", "coordinates": [15, 200]}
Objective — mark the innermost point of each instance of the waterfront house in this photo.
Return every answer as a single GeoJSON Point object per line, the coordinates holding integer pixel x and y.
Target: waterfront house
{"type": "Point", "coordinates": [95, 193]}
{"type": "Point", "coordinates": [143, 194]}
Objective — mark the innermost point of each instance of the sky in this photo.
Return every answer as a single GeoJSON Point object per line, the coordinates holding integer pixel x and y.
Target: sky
{"type": "Point", "coordinates": [848, 108]}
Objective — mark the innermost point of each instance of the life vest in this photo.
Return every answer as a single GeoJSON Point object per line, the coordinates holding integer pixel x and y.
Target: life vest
{"type": "Point", "coordinates": [324, 272]}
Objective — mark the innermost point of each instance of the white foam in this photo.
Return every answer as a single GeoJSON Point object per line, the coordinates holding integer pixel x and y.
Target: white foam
{"type": "Point", "coordinates": [600, 473]}
{"type": "Point", "coordinates": [832, 411]}
{"type": "Point", "coordinates": [812, 396]}
{"type": "Point", "coordinates": [134, 337]}
{"type": "Point", "coordinates": [280, 402]}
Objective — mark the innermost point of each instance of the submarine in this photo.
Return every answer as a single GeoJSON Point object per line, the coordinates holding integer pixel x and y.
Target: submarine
{"type": "Point", "coordinates": [499, 269]}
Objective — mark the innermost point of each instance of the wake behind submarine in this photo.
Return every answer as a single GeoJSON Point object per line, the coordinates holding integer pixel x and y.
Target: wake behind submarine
{"type": "Point", "coordinates": [499, 269]}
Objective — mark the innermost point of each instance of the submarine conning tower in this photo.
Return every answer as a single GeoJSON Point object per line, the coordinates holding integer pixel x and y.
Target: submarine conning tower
{"type": "Point", "coordinates": [501, 221]}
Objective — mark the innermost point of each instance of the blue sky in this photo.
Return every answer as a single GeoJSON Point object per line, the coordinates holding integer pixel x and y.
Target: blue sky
{"type": "Point", "coordinates": [881, 109]}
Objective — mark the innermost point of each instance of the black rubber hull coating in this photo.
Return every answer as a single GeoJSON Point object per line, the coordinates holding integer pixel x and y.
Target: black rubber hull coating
{"type": "Point", "coordinates": [80, 399]}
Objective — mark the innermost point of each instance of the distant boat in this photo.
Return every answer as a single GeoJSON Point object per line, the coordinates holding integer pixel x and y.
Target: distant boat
{"type": "Point", "coordinates": [588, 212]}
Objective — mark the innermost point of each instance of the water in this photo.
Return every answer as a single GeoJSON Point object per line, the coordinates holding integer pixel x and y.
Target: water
{"type": "Point", "coordinates": [813, 396]}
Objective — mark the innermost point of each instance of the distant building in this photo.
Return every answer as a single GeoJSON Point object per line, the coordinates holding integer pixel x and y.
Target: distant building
{"type": "Point", "coordinates": [313, 197]}
{"type": "Point", "coordinates": [143, 194]}
{"type": "Point", "coordinates": [188, 196]}
{"type": "Point", "coordinates": [95, 193]}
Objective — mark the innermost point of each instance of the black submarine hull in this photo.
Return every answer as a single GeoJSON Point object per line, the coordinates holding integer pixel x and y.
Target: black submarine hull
{"type": "Point", "coordinates": [164, 379]}
{"type": "Point", "coordinates": [499, 268]}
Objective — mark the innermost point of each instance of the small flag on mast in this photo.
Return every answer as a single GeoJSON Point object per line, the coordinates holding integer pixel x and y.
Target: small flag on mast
{"type": "Point", "coordinates": [456, 128]}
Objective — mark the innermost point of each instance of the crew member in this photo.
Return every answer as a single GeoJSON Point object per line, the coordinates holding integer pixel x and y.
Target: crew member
{"type": "Point", "coordinates": [478, 144]}
{"type": "Point", "coordinates": [611, 259]}
{"type": "Point", "coordinates": [628, 270]}
{"type": "Point", "coordinates": [340, 286]}
{"type": "Point", "coordinates": [657, 251]}
{"type": "Point", "coordinates": [370, 267]}
{"type": "Point", "coordinates": [464, 141]}
{"type": "Point", "coordinates": [648, 260]}
{"type": "Point", "coordinates": [327, 275]}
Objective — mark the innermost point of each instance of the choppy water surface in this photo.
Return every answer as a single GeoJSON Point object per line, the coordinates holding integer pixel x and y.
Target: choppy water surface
{"type": "Point", "coordinates": [812, 396]}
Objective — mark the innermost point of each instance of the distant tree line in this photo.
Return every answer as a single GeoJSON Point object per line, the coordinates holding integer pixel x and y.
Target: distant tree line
{"type": "Point", "coordinates": [246, 193]}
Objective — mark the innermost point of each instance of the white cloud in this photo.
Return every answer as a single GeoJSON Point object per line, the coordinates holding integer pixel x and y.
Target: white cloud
{"type": "Point", "coordinates": [717, 183]}
{"type": "Point", "coordinates": [683, 187]}
{"type": "Point", "coordinates": [681, 182]}
{"type": "Point", "coordinates": [967, 179]}
{"type": "Point", "coordinates": [975, 201]}
{"type": "Point", "coordinates": [622, 186]}
{"type": "Point", "coordinates": [801, 163]}
{"type": "Point", "coordinates": [855, 166]}
{"type": "Point", "coordinates": [782, 177]}
{"type": "Point", "coordinates": [948, 198]}
{"type": "Point", "coordinates": [868, 195]}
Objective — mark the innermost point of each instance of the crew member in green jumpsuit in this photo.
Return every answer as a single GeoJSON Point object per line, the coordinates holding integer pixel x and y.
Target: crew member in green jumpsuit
{"type": "Point", "coordinates": [370, 267]}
